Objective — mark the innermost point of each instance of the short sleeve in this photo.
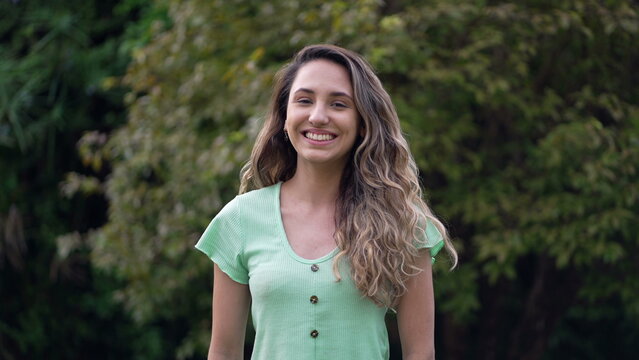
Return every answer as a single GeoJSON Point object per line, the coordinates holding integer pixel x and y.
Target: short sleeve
{"type": "Point", "coordinates": [434, 240]}
{"type": "Point", "coordinates": [223, 243]}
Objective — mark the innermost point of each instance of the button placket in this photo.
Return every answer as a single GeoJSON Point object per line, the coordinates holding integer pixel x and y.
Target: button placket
{"type": "Point", "coordinates": [313, 300]}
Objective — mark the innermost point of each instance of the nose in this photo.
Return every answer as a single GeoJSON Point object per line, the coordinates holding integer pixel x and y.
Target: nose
{"type": "Point", "coordinates": [318, 115]}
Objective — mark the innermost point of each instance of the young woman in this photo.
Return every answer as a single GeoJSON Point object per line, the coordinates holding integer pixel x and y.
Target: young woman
{"type": "Point", "coordinates": [330, 230]}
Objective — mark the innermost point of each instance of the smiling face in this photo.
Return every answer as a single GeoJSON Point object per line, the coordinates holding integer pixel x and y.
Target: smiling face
{"type": "Point", "coordinates": [321, 119]}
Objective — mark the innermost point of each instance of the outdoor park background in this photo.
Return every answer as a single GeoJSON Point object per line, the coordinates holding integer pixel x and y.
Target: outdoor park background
{"type": "Point", "coordinates": [123, 125]}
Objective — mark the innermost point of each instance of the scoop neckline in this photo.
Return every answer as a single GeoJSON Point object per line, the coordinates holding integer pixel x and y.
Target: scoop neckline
{"type": "Point", "coordinates": [284, 237]}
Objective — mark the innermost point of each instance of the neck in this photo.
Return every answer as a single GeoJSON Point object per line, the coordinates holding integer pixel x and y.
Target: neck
{"type": "Point", "coordinates": [314, 185]}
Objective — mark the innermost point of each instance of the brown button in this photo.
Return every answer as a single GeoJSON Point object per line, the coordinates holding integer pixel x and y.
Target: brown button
{"type": "Point", "coordinates": [314, 299]}
{"type": "Point", "coordinates": [314, 333]}
{"type": "Point", "coordinates": [314, 268]}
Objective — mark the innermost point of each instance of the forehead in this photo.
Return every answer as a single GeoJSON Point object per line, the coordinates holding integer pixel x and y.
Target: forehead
{"type": "Point", "coordinates": [323, 75]}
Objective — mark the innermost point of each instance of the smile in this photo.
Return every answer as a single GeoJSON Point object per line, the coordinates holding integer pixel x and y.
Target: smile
{"type": "Point", "coordinates": [319, 137]}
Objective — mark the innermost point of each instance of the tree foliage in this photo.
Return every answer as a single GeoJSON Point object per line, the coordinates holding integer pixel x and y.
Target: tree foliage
{"type": "Point", "coordinates": [57, 66]}
{"type": "Point", "coordinates": [523, 119]}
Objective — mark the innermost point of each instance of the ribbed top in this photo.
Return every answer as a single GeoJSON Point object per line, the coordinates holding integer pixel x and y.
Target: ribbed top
{"type": "Point", "coordinates": [299, 310]}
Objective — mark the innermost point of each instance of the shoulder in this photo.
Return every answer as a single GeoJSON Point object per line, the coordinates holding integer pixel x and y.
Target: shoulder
{"type": "Point", "coordinates": [433, 236]}
{"type": "Point", "coordinates": [251, 203]}
{"type": "Point", "coordinates": [267, 193]}
{"type": "Point", "coordinates": [243, 216]}
{"type": "Point", "coordinates": [256, 199]}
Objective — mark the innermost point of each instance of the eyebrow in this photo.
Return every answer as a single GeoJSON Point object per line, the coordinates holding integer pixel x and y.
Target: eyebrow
{"type": "Point", "coordinates": [334, 93]}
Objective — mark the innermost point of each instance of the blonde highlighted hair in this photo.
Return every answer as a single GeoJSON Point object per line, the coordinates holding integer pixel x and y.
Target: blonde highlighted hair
{"type": "Point", "coordinates": [380, 216]}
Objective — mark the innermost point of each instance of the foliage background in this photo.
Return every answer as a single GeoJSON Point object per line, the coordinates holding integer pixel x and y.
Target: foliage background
{"type": "Point", "coordinates": [522, 117]}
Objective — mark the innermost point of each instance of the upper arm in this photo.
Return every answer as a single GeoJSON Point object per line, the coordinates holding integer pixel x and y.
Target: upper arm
{"type": "Point", "coordinates": [416, 313]}
{"type": "Point", "coordinates": [231, 302]}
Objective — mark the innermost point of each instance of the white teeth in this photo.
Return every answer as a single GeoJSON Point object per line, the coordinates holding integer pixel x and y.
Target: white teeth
{"type": "Point", "coordinates": [319, 137]}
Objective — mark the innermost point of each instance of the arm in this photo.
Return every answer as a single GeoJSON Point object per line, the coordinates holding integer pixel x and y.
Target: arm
{"type": "Point", "coordinates": [230, 313]}
{"type": "Point", "coordinates": [416, 314]}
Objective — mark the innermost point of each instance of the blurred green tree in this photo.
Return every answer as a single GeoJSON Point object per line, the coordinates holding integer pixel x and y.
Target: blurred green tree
{"type": "Point", "coordinates": [523, 119]}
{"type": "Point", "coordinates": [57, 66]}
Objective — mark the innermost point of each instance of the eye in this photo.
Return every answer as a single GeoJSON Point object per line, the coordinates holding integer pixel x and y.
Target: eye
{"type": "Point", "coordinates": [303, 101]}
{"type": "Point", "coordinates": [340, 104]}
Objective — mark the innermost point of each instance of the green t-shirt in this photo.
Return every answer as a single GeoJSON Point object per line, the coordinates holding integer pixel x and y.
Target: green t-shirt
{"type": "Point", "coordinates": [299, 310]}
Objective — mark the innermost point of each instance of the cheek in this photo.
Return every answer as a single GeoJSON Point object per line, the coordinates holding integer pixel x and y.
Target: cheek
{"type": "Point", "coordinates": [288, 119]}
{"type": "Point", "coordinates": [296, 117]}
{"type": "Point", "coordinates": [291, 114]}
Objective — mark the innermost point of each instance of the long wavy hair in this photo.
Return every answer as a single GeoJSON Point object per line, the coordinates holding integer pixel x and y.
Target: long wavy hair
{"type": "Point", "coordinates": [380, 215]}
